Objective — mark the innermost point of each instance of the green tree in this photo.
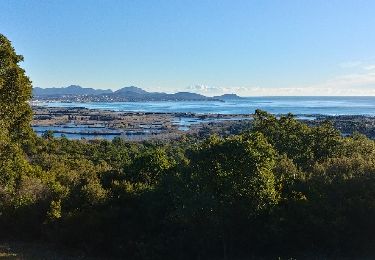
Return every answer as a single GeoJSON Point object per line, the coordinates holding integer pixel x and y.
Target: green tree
{"type": "Point", "coordinates": [149, 166]}
{"type": "Point", "coordinates": [15, 91]}
{"type": "Point", "coordinates": [301, 143]}
{"type": "Point", "coordinates": [229, 184]}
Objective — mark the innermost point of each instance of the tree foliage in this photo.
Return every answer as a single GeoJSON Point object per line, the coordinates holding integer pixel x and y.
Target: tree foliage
{"type": "Point", "coordinates": [15, 92]}
{"type": "Point", "coordinates": [280, 189]}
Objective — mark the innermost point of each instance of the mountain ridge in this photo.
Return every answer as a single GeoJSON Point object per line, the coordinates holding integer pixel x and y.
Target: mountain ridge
{"type": "Point", "coordinates": [76, 93]}
{"type": "Point", "coordinates": [69, 90]}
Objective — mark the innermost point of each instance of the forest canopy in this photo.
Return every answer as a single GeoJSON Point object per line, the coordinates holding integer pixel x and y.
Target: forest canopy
{"type": "Point", "coordinates": [280, 188]}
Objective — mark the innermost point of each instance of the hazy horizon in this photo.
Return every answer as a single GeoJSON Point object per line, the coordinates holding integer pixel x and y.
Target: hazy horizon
{"type": "Point", "coordinates": [208, 95]}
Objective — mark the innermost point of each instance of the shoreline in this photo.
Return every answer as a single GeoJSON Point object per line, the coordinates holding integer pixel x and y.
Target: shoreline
{"type": "Point", "coordinates": [88, 122]}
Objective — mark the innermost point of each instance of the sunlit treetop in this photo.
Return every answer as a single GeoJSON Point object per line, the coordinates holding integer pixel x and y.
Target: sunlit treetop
{"type": "Point", "coordinates": [15, 91]}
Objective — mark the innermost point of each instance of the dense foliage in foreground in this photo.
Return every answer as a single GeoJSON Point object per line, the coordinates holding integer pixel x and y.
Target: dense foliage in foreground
{"type": "Point", "coordinates": [279, 189]}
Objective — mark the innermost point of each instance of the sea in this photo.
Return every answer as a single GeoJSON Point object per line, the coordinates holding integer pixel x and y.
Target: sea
{"type": "Point", "coordinates": [275, 105]}
{"type": "Point", "coordinates": [303, 107]}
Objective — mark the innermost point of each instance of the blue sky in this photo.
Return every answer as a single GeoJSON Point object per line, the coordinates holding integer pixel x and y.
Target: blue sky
{"type": "Point", "coordinates": [278, 47]}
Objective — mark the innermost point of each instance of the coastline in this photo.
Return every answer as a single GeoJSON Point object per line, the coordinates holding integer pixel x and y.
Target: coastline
{"type": "Point", "coordinates": [85, 123]}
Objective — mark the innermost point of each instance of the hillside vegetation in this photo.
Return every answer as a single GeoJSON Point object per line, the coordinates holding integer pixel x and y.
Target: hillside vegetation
{"type": "Point", "coordinates": [279, 189]}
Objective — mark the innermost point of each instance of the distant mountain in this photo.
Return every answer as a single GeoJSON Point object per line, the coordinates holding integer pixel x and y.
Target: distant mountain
{"type": "Point", "coordinates": [131, 93]}
{"type": "Point", "coordinates": [70, 90]}
{"type": "Point", "coordinates": [188, 95]}
{"type": "Point", "coordinates": [130, 90]}
{"type": "Point", "coordinates": [137, 94]}
{"type": "Point", "coordinates": [76, 93]}
{"type": "Point", "coordinates": [228, 97]}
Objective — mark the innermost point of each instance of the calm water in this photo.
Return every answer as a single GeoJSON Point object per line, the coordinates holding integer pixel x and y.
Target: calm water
{"type": "Point", "coordinates": [275, 105]}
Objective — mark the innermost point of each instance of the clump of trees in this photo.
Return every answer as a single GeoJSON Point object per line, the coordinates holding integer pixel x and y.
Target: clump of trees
{"type": "Point", "coordinates": [279, 189]}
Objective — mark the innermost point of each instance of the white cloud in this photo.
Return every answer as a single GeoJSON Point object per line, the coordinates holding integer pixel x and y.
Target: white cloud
{"type": "Point", "coordinates": [309, 91]}
{"type": "Point", "coordinates": [359, 84]}
{"type": "Point", "coordinates": [204, 89]}
{"type": "Point", "coordinates": [369, 67]}
{"type": "Point", "coordinates": [212, 90]}
{"type": "Point", "coordinates": [367, 64]}
{"type": "Point", "coordinates": [350, 64]}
